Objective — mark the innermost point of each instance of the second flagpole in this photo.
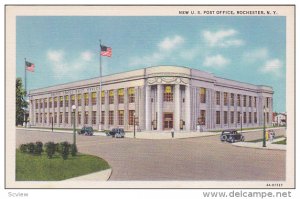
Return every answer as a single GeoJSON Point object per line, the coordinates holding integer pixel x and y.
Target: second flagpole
{"type": "Point", "coordinates": [100, 109]}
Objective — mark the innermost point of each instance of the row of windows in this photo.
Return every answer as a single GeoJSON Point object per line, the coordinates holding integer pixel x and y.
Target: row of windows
{"type": "Point", "coordinates": [245, 117]}
{"type": "Point", "coordinates": [229, 99]}
{"type": "Point", "coordinates": [39, 117]}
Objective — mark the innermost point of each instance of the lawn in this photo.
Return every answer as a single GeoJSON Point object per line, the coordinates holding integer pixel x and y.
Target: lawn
{"type": "Point", "coordinates": [280, 142]}
{"type": "Point", "coordinates": [40, 168]}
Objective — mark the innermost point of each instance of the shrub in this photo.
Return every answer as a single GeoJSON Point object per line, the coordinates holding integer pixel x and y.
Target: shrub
{"type": "Point", "coordinates": [73, 149]}
{"type": "Point", "coordinates": [38, 149]}
{"type": "Point", "coordinates": [50, 149]}
{"type": "Point", "coordinates": [24, 148]}
{"type": "Point", "coordinates": [31, 147]}
{"type": "Point", "coordinates": [64, 150]}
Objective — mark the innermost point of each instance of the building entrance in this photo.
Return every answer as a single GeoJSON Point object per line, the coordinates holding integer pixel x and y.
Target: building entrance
{"type": "Point", "coordinates": [168, 121]}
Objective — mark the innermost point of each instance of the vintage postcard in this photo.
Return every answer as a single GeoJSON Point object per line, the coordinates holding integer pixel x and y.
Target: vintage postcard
{"type": "Point", "coordinates": [150, 96]}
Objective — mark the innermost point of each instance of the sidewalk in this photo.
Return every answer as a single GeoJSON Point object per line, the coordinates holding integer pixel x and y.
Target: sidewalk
{"type": "Point", "coordinates": [168, 135]}
{"type": "Point", "coordinates": [58, 131]}
{"type": "Point", "coordinates": [258, 145]}
{"type": "Point", "coordinates": [97, 176]}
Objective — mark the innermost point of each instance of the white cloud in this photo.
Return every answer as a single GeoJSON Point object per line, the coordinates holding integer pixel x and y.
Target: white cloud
{"type": "Point", "coordinates": [222, 38]}
{"type": "Point", "coordinates": [55, 55]}
{"type": "Point", "coordinates": [272, 66]}
{"type": "Point", "coordinates": [166, 49]}
{"type": "Point", "coordinates": [87, 55]}
{"type": "Point", "coordinates": [169, 43]}
{"type": "Point", "coordinates": [216, 61]}
{"type": "Point", "coordinates": [257, 54]}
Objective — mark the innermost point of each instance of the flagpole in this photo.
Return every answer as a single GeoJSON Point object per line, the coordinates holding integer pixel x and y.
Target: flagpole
{"type": "Point", "coordinates": [25, 84]}
{"type": "Point", "coordinates": [100, 114]}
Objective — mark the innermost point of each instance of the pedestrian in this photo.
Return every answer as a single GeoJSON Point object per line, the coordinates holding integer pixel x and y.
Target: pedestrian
{"type": "Point", "coordinates": [172, 132]}
{"type": "Point", "coordinates": [267, 135]}
{"type": "Point", "coordinates": [271, 136]}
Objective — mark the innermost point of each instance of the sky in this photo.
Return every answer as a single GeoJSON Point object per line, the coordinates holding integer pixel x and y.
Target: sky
{"type": "Point", "coordinates": [66, 49]}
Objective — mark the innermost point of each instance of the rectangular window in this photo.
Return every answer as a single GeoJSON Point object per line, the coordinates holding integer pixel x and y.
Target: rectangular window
{"type": "Point", "coordinates": [131, 117]}
{"type": "Point", "coordinates": [55, 118]}
{"type": "Point", "coordinates": [231, 99]}
{"type": "Point", "coordinates": [45, 103]}
{"type": "Point", "coordinates": [50, 118]}
{"type": "Point", "coordinates": [203, 95]}
{"type": "Point", "coordinates": [94, 98]}
{"type": "Point", "coordinates": [250, 117]}
{"type": "Point", "coordinates": [225, 99]}
{"type": "Point", "coordinates": [202, 117]}
{"type": "Point", "coordinates": [66, 118]}
{"type": "Point", "coordinates": [36, 104]}
{"type": "Point", "coordinates": [255, 117]}
{"type": "Point", "coordinates": [168, 93]}
{"type": "Point", "coordinates": [267, 117]}
{"type": "Point", "coordinates": [37, 118]}
{"type": "Point", "coordinates": [111, 117]}
{"type": "Point", "coordinates": [94, 117]}
{"type": "Point", "coordinates": [218, 97]}
{"type": "Point", "coordinates": [86, 117]}
{"type": "Point", "coordinates": [86, 99]}
{"type": "Point", "coordinates": [50, 102]}
{"type": "Point", "coordinates": [121, 96]}
{"type": "Point", "coordinates": [239, 100]}
{"type": "Point", "coordinates": [218, 117]}
{"type": "Point", "coordinates": [250, 101]}
{"type": "Point", "coordinates": [60, 117]}
{"type": "Point", "coordinates": [41, 103]}
{"type": "Point", "coordinates": [225, 117]}
{"type": "Point", "coordinates": [55, 102]}
{"type": "Point", "coordinates": [111, 97]}
{"type": "Point", "coordinates": [244, 100]}
{"type": "Point", "coordinates": [231, 117]}
{"type": "Point", "coordinates": [79, 99]}
{"type": "Point", "coordinates": [61, 98]}
{"type": "Point", "coordinates": [41, 117]}
{"type": "Point", "coordinates": [67, 101]}
{"type": "Point", "coordinates": [121, 117]}
{"type": "Point", "coordinates": [267, 102]}
{"type": "Point", "coordinates": [255, 101]}
{"type": "Point", "coordinates": [102, 97]}
{"type": "Point", "coordinates": [79, 117]}
{"type": "Point", "coordinates": [245, 118]}
{"type": "Point", "coordinates": [131, 95]}
{"type": "Point", "coordinates": [102, 117]}
{"type": "Point", "coordinates": [238, 116]}
{"type": "Point", "coordinates": [72, 100]}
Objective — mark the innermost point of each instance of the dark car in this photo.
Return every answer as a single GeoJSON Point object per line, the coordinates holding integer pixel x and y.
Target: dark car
{"type": "Point", "coordinates": [86, 130]}
{"type": "Point", "coordinates": [116, 132]}
{"type": "Point", "coordinates": [231, 135]}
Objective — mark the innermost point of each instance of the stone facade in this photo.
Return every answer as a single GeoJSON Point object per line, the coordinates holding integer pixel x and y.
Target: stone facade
{"type": "Point", "coordinates": [156, 98]}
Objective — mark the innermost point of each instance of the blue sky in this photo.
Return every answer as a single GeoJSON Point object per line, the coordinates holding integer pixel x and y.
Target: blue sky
{"type": "Point", "coordinates": [65, 49]}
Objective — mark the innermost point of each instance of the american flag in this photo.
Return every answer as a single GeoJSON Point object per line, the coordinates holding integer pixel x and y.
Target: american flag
{"type": "Point", "coordinates": [106, 51]}
{"type": "Point", "coordinates": [29, 66]}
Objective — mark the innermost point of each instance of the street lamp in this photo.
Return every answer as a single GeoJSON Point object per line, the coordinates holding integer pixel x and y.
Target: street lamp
{"type": "Point", "coordinates": [74, 129]}
{"type": "Point", "coordinates": [264, 129]}
{"type": "Point", "coordinates": [134, 124]}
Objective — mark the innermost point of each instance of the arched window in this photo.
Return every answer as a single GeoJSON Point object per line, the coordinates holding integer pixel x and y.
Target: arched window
{"type": "Point", "coordinates": [168, 94]}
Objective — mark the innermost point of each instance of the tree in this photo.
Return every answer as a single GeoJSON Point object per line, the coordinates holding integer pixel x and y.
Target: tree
{"type": "Point", "coordinates": [21, 103]}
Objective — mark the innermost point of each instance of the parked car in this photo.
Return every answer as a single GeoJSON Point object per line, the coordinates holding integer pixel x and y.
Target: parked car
{"type": "Point", "coordinates": [86, 130]}
{"type": "Point", "coordinates": [231, 135]}
{"type": "Point", "coordinates": [116, 132]}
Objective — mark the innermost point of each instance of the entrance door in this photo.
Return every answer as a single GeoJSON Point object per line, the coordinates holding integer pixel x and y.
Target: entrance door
{"type": "Point", "coordinates": [168, 121]}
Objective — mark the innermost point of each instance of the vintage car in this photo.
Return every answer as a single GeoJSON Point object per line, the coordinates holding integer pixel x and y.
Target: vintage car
{"type": "Point", "coordinates": [231, 135]}
{"type": "Point", "coordinates": [116, 132]}
{"type": "Point", "coordinates": [86, 130]}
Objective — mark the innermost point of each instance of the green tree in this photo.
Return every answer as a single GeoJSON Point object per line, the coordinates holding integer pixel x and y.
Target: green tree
{"type": "Point", "coordinates": [21, 103]}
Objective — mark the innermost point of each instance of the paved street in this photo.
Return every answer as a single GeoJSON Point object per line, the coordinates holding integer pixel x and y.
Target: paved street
{"type": "Point", "coordinates": [201, 158]}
